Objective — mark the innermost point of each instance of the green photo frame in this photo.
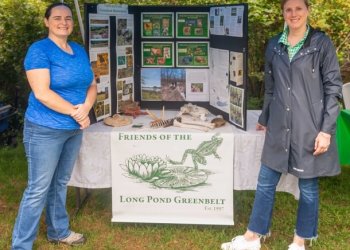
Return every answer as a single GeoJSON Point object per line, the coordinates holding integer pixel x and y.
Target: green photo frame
{"type": "Point", "coordinates": [157, 54]}
{"type": "Point", "coordinates": [192, 54]}
{"type": "Point", "coordinates": [157, 25]}
{"type": "Point", "coordinates": [192, 25]}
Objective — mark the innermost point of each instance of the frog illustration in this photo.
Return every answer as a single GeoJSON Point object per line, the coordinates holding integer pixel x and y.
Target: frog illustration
{"type": "Point", "coordinates": [204, 149]}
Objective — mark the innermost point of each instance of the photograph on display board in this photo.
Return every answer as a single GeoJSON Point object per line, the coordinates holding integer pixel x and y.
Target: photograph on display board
{"type": "Point", "coordinates": [124, 57]}
{"type": "Point", "coordinates": [151, 85]}
{"type": "Point", "coordinates": [173, 84]}
{"type": "Point", "coordinates": [192, 25]}
{"type": "Point", "coordinates": [99, 31]}
{"type": "Point", "coordinates": [192, 54]}
{"type": "Point", "coordinates": [102, 107]}
{"type": "Point", "coordinates": [157, 54]}
{"type": "Point", "coordinates": [99, 59]}
{"type": "Point", "coordinates": [125, 73]}
{"type": "Point", "coordinates": [236, 68]}
{"type": "Point", "coordinates": [125, 92]}
{"type": "Point", "coordinates": [236, 106]}
{"type": "Point", "coordinates": [97, 73]}
{"type": "Point", "coordinates": [197, 85]}
{"type": "Point", "coordinates": [157, 25]}
{"type": "Point", "coordinates": [101, 65]}
{"type": "Point", "coordinates": [125, 62]}
{"type": "Point", "coordinates": [124, 32]}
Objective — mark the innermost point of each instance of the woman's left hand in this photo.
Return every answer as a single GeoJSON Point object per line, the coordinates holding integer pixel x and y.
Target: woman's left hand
{"type": "Point", "coordinates": [322, 142]}
{"type": "Point", "coordinates": [81, 112]}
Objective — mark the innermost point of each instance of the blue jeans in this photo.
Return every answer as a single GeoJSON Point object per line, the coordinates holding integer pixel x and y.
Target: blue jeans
{"type": "Point", "coordinates": [51, 154]}
{"type": "Point", "coordinates": [307, 216]}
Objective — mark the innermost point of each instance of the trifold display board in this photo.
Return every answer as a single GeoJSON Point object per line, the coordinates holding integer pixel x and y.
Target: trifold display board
{"type": "Point", "coordinates": [166, 56]}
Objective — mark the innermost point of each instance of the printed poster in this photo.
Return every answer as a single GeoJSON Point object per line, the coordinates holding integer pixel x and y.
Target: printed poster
{"type": "Point", "coordinates": [197, 85]}
{"type": "Point", "coordinates": [178, 177]}
{"type": "Point", "coordinates": [157, 25]}
{"type": "Point", "coordinates": [99, 38]}
{"type": "Point", "coordinates": [192, 54]}
{"type": "Point", "coordinates": [233, 21]}
{"type": "Point", "coordinates": [217, 16]}
{"type": "Point", "coordinates": [157, 54]}
{"type": "Point", "coordinates": [125, 60]}
{"type": "Point", "coordinates": [227, 21]}
{"type": "Point", "coordinates": [192, 25]}
{"type": "Point", "coordinates": [219, 86]}
{"type": "Point", "coordinates": [236, 106]}
{"type": "Point", "coordinates": [236, 68]}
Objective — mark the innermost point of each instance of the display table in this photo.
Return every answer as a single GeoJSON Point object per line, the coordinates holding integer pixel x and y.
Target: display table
{"type": "Point", "coordinates": [343, 136]}
{"type": "Point", "coordinates": [93, 166]}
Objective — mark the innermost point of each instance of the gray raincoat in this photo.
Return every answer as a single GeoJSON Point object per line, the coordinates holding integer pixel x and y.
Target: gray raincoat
{"type": "Point", "coordinates": [301, 99]}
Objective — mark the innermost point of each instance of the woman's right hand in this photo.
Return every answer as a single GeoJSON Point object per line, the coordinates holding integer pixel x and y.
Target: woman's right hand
{"type": "Point", "coordinates": [84, 123]}
{"type": "Point", "coordinates": [260, 127]}
{"type": "Point", "coordinates": [80, 112]}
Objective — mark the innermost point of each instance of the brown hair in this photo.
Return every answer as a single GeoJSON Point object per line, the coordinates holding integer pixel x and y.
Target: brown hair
{"type": "Point", "coordinates": [51, 6]}
{"type": "Point", "coordinates": [283, 2]}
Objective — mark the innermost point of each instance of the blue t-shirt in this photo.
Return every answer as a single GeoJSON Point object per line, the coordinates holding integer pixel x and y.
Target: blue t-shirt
{"type": "Point", "coordinates": [70, 78]}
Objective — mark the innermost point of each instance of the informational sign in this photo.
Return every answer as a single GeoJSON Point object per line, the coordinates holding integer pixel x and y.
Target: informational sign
{"type": "Point", "coordinates": [157, 54]}
{"type": "Point", "coordinates": [192, 54]}
{"type": "Point", "coordinates": [192, 25]}
{"type": "Point", "coordinates": [227, 21]}
{"type": "Point", "coordinates": [218, 78]}
{"type": "Point", "coordinates": [157, 25]}
{"type": "Point", "coordinates": [236, 68]}
{"type": "Point", "coordinates": [178, 177]}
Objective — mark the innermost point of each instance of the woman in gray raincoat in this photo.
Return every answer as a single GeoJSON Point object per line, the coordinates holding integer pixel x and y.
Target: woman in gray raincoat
{"type": "Point", "coordinates": [302, 88]}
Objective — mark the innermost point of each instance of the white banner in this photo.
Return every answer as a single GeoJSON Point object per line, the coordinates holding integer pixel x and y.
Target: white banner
{"type": "Point", "coordinates": [181, 178]}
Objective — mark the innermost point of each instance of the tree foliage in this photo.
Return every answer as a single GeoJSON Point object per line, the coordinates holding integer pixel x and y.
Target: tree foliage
{"type": "Point", "coordinates": [21, 23]}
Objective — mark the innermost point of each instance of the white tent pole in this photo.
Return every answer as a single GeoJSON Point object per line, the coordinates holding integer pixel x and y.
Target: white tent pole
{"type": "Point", "coordinates": [80, 20]}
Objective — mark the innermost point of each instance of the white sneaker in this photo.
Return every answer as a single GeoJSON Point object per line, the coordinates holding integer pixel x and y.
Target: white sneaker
{"type": "Point", "coordinates": [295, 246]}
{"type": "Point", "coordinates": [73, 239]}
{"type": "Point", "coordinates": [240, 243]}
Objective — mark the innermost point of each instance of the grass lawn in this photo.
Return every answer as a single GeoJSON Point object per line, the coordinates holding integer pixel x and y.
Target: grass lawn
{"type": "Point", "coordinates": [94, 218]}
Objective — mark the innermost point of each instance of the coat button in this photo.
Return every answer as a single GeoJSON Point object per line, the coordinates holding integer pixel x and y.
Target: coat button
{"type": "Point", "coordinates": [286, 150]}
{"type": "Point", "coordinates": [288, 88]}
{"type": "Point", "coordinates": [287, 129]}
{"type": "Point", "coordinates": [287, 109]}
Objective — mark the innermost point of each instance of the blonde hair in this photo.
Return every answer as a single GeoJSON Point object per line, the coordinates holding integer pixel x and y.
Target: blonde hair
{"type": "Point", "coordinates": [283, 2]}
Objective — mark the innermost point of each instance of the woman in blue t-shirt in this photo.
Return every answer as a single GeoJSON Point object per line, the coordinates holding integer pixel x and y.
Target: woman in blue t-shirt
{"type": "Point", "coordinates": [63, 92]}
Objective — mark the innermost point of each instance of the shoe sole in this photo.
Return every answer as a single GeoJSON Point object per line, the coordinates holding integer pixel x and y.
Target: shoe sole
{"type": "Point", "coordinates": [225, 248]}
{"type": "Point", "coordinates": [75, 243]}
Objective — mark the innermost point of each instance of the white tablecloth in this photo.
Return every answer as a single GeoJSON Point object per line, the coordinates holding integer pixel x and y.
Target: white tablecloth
{"type": "Point", "coordinates": [93, 166]}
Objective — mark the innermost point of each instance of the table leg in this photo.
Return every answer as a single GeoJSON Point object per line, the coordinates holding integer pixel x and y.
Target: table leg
{"type": "Point", "coordinates": [79, 201]}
